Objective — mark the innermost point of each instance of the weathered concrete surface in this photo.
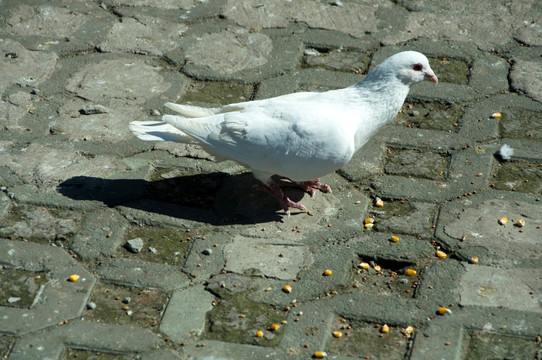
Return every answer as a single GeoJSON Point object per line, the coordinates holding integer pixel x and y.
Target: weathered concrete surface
{"type": "Point", "coordinates": [185, 313]}
{"type": "Point", "coordinates": [76, 185]}
{"type": "Point", "coordinates": [485, 286]}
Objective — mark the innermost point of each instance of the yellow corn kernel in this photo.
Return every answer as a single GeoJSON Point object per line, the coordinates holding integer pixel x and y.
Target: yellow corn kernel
{"type": "Point", "coordinates": [328, 272]}
{"type": "Point", "coordinates": [379, 202]}
{"type": "Point", "coordinates": [337, 334]}
{"type": "Point", "coordinates": [287, 288]}
{"type": "Point", "coordinates": [520, 223]}
{"type": "Point", "coordinates": [274, 327]}
{"type": "Point", "coordinates": [74, 278]}
{"type": "Point", "coordinates": [441, 254]}
{"type": "Point", "coordinates": [474, 260]}
{"type": "Point", "coordinates": [409, 330]}
{"type": "Point", "coordinates": [385, 329]}
{"type": "Point", "coordinates": [395, 238]}
{"type": "Point", "coordinates": [377, 267]}
{"type": "Point", "coordinates": [364, 265]}
{"type": "Point", "coordinates": [259, 333]}
{"type": "Point", "coordinates": [369, 220]}
{"type": "Point", "coordinates": [496, 115]}
{"type": "Point", "coordinates": [320, 354]}
{"type": "Point", "coordinates": [503, 221]}
{"type": "Point", "coordinates": [369, 226]}
{"type": "Point", "coordinates": [410, 272]}
{"type": "Point", "coordinates": [444, 311]}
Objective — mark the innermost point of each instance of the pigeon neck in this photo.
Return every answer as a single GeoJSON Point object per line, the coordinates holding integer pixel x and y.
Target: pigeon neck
{"type": "Point", "coordinates": [386, 93]}
{"type": "Point", "coordinates": [385, 98]}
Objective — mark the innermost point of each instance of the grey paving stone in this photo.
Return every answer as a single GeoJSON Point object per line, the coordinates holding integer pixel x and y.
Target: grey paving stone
{"type": "Point", "coordinates": [160, 4]}
{"type": "Point", "coordinates": [29, 194]}
{"type": "Point", "coordinates": [126, 79]}
{"type": "Point", "coordinates": [443, 339]}
{"type": "Point", "coordinates": [354, 19]}
{"type": "Point", "coordinates": [509, 288]}
{"type": "Point", "coordinates": [462, 22]}
{"type": "Point", "coordinates": [257, 54]}
{"type": "Point", "coordinates": [50, 344]}
{"type": "Point", "coordinates": [185, 314]}
{"type": "Point", "coordinates": [40, 223]}
{"type": "Point", "coordinates": [24, 67]}
{"type": "Point", "coordinates": [229, 351]}
{"type": "Point", "coordinates": [155, 213]}
{"type": "Point", "coordinates": [49, 21]}
{"type": "Point", "coordinates": [164, 354]}
{"type": "Point", "coordinates": [143, 35]}
{"type": "Point", "coordinates": [110, 126]}
{"type": "Point", "coordinates": [248, 50]}
{"type": "Point", "coordinates": [102, 234]}
{"type": "Point", "coordinates": [14, 110]}
{"type": "Point", "coordinates": [523, 81]}
{"type": "Point", "coordinates": [260, 257]}
{"type": "Point", "coordinates": [58, 300]}
{"type": "Point", "coordinates": [477, 220]}
{"type": "Point", "coordinates": [5, 204]}
{"type": "Point", "coordinates": [47, 166]}
{"type": "Point", "coordinates": [142, 274]}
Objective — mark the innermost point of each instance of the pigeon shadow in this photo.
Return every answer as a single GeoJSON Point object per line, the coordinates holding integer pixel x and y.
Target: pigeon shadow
{"type": "Point", "coordinates": [214, 198]}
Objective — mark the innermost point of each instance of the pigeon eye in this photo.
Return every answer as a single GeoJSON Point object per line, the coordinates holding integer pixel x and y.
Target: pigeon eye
{"type": "Point", "coordinates": [417, 67]}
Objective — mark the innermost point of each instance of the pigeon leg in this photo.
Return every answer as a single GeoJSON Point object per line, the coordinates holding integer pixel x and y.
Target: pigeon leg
{"type": "Point", "coordinates": [285, 202]}
{"type": "Point", "coordinates": [309, 186]}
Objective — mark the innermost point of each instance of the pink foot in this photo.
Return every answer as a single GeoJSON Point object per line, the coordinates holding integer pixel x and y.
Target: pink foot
{"type": "Point", "coordinates": [285, 202]}
{"type": "Point", "coordinates": [309, 186]}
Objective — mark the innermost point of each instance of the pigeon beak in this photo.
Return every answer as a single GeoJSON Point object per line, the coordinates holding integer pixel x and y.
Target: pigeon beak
{"type": "Point", "coordinates": [430, 76]}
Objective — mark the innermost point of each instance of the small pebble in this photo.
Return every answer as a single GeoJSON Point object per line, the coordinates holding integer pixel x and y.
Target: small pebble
{"type": "Point", "coordinates": [129, 313]}
{"type": "Point", "coordinates": [13, 299]}
{"type": "Point", "coordinates": [207, 252]}
{"type": "Point", "coordinates": [134, 245]}
{"type": "Point", "coordinates": [153, 250]}
{"type": "Point", "coordinates": [93, 109]}
{"type": "Point", "coordinates": [126, 300]}
{"type": "Point", "coordinates": [91, 305]}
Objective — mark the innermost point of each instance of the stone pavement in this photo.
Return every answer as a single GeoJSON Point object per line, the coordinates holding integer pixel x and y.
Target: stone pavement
{"type": "Point", "coordinates": [204, 275]}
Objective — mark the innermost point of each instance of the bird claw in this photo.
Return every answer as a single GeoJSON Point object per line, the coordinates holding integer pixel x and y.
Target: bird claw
{"type": "Point", "coordinates": [284, 200]}
{"type": "Point", "coordinates": [309, 186]}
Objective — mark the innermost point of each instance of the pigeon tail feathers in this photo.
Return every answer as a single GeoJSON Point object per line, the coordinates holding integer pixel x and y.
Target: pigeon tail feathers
{"type": "Point", "coordinates": [191, 111]}
{"type": "Point", "coordinates": [158, 131]}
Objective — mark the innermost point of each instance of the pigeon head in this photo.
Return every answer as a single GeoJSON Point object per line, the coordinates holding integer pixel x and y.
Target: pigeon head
{"type": "Point", "coordinates": [409, 67]}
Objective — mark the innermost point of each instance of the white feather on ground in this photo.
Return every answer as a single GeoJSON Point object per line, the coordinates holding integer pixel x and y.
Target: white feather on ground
{"type": "Point", "coordinates": [506, 152]}
{"type": "Point", "coordinates": [301, 136]}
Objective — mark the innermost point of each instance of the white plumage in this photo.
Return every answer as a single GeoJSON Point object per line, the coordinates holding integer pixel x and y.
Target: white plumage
{"type": "Point", "coordinates": [300, 136]}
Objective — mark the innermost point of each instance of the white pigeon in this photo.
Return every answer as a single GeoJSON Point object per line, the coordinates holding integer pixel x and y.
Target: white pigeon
{"type": "Point", "coordinates": [301, 136]}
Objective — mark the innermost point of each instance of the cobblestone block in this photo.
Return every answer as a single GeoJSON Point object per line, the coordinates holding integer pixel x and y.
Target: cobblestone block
{"type": "Point", "coordinates": [50, 344]}
{"type": "Point", "coordinates": [185, 314]}
{"type": "Point", "coordinates": [24, 67]}
{"type": "Point", "coordinates": [483, 286]}
{"type": "Point", "coordinates": [58, 300]}
{"type": "Point", "coordinates": [102, 234]}
{"type": "Point", "coordinates": [144, 35]}
{"type": "Point", "coordinates": [142, 274]}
